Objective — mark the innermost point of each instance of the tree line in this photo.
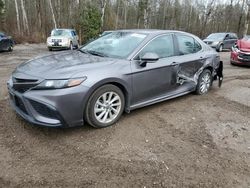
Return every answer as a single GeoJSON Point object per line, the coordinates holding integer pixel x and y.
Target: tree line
{"type": "Point", "coordinates": [32, 20]}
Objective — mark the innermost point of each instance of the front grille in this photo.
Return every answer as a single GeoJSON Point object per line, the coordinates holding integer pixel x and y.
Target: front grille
{"type": "Point", "coordinates": [56, 40]}
{"type": "Point", "coordinates": [20, 80]}
{"type": "Point", "coordinates": [43, 110]}
{"type": "Point", "coordinates": [245, 57]}
{"type": "Point", "coordinates": [22, 85]}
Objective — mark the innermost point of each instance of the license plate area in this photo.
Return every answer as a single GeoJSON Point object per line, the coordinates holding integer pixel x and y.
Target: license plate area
{"type": "Point", "coordinates": [56, 44]}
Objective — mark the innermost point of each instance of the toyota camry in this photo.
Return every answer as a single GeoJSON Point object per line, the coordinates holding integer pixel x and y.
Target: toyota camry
{"type": "Point", "coordinates": [113, 74]}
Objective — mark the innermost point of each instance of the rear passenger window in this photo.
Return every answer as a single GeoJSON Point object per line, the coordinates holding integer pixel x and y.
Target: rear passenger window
{"type": "Point", "coordinates": [188, 45]}
{"type": "Point", "coordinates": [197, 46]}
{"type": "Point", "coordinates": [233, 36]}
{"type": "Point", "coordinates": [162, 46]}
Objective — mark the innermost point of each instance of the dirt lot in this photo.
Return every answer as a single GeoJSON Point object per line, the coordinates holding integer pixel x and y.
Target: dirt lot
{"type": "Point", "coordinates": [192, 141]}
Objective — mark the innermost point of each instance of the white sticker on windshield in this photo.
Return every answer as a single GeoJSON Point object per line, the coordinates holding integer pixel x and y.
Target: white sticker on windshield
{"type": "Point", "coordinates": [138, 35]}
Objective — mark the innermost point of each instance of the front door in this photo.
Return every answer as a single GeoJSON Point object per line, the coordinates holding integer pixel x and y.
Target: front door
{"type": "Point", "coordinates": [156, 78]}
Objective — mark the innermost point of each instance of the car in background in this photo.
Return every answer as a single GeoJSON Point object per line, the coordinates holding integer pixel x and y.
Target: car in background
{"type": "Point", "coordinates": [240, 54]}
{"type": "Point", "coordinates": [221, 41]}
{"type": "Point", "coordinates": [63, 39]}
{"type": "Point", "coordinates": [121, 71]}
{"type": "Point", "coordinates": [6, 42]}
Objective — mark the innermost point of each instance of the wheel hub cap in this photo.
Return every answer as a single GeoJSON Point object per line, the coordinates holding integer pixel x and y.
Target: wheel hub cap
{"type": "Point", "coordinates": [205, 83]}
{"type": "Point", "coordinates": [107, 107]}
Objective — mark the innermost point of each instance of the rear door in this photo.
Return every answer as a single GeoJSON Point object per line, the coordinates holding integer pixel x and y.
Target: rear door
{"type": "Point", "coordinates": [191, 59]}
{"type": "Point", "coordinates": [228, 41]}
{"type": "Point", "coordinates": [233, 38]}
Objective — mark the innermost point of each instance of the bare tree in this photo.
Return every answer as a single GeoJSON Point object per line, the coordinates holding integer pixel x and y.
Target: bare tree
{"type": "Point", "coordinates": [25, 19]}
{"type": "Point", "coordinates": [200, 17]}
{"type": "Point", "coordinates": [247, 19]}
{"type": "Point", "coordinates": [17, 17]}
{"type": "Point", "coordinates": [241, 16]}
{"type": "Point", "coordinates": [53, 15]}
{"type": "Point", "coordinates": [207, 16]}
{"type": "Point", "coordinates": [103, 7]}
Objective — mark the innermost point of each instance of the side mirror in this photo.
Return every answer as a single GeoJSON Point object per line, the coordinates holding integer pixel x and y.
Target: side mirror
{"type": "Point", "coordinates": [148, 58]}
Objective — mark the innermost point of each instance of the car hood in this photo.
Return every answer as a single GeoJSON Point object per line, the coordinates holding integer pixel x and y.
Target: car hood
{"type": "Point", "coordinates": [244, 45]}
{"type": "Point", "coordinates": [61, 65]}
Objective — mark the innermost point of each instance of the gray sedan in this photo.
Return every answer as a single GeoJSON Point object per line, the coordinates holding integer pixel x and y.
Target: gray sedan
{"type": "Point", "coordinates": [221, 41]}
{"type": "Point", "coordinates": [119, 72]}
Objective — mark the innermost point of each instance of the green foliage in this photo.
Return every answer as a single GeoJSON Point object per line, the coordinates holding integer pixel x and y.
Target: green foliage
{"type": "Point", "coordinates": [90, 22]}
{"type": "Point", "coordinates": [1, 7]}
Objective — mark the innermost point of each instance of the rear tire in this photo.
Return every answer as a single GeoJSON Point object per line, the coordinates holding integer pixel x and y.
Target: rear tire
{"type": "Point", "coordinates": [105, 106]}
{"type": "Point", "coordinates": [50, 49]}
{"type": "Point", "coordinates": [204, 82]}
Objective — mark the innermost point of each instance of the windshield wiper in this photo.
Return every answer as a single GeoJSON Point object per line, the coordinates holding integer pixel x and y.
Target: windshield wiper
{"type": "Point", "coordinates": [92, 52]}
{"type": "Point", "coordinates": [100, 54]}
{"type": "Point", "coordinates": [84, 51]}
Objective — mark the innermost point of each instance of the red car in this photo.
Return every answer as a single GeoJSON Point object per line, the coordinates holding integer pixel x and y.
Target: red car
{"type": "Point", "coordinates": [240, 54]}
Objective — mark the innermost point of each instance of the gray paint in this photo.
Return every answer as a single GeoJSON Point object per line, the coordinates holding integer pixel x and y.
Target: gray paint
{"type": "Point", "coordinates": [157, 81]}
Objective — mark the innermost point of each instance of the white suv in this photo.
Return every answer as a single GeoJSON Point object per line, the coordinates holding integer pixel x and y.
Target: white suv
{"type": "Point", "coordinates": [63, 39]}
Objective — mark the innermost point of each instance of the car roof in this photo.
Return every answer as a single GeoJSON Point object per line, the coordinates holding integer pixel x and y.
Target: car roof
{"type": "Point", "coordinates": [151, 31]}
{"type": "Point", "coordinates": [224, 33]}
{"type": "Point", "coordinates": [64, 29]}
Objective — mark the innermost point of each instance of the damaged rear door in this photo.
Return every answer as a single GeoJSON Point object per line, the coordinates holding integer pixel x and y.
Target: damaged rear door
{"type": "Point", "coordinates": [190, 61]}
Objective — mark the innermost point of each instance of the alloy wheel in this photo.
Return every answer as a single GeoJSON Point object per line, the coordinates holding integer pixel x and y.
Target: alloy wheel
{"type": "Point", "coordinates": [107, 107]}
{"type": "Point", "coordinates": [205, 83]}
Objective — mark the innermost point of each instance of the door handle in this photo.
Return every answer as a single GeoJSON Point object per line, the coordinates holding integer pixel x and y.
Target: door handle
{"type": "Point", "coordinates": [174, 63]}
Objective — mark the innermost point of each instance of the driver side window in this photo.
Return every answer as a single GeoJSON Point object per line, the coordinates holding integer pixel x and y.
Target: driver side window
{"type": "Point", "coordinates": [162, 46]}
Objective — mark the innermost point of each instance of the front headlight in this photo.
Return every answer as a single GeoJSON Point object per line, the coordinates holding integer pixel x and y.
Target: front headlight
{"type": "Point", "coordinates": [216, 43]}
{"type": "Point", "coordinates": [60, 84]}
{"type": "Point", "coordinates": [235, 48]}
{"type": "Point", "coordinates": [49, 40]}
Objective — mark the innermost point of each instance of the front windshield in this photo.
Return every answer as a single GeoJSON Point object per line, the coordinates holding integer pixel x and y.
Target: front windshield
{"type": "Point", "coordinates": [218, 36]}
{"type": "Point", "coordinates": [60, 32]}
{"type": "Point", "coordinates": [116, 44]}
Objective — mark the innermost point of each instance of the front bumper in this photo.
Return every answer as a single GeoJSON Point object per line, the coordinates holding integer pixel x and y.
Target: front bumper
{"type": "Point", "coordinates": [51, 108]}
{"type": "Point", "coordinates": [58, 44]}
{"type": "Point", "coordinates": [236, 60]}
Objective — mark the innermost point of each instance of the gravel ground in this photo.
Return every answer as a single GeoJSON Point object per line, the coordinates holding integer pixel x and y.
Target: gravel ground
{"type": "Point", "coordinates": [191, 141]}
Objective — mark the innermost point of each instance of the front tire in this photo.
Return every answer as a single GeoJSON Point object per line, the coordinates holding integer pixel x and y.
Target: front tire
{"type": "Point", "coordinates": [10, 49]}
{"type": "Point", "coordinates": [71, 47]}
{"type": "Point", "coordinates": [204, 82]}
{"type": "Point", "coordinates": [105, 106]}
{"type": "Point", "coordinates": [220, 48]}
